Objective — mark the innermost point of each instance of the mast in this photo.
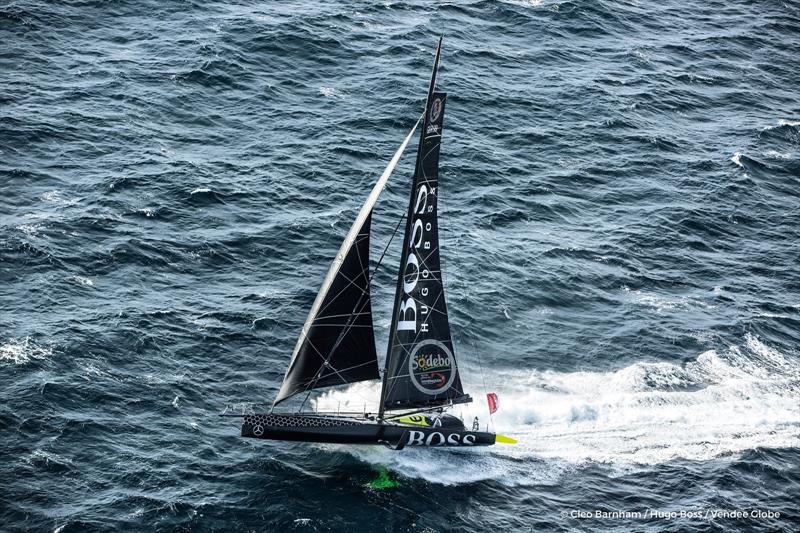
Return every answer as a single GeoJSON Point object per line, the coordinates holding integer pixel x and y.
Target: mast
{"type": "Point", "coordinates": [421, 369]}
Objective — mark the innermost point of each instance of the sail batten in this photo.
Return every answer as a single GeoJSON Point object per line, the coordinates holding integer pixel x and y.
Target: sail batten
{"type": "Point", "coordinates": [330, 350]}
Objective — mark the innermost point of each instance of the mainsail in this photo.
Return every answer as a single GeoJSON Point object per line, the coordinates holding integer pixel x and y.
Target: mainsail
{"type": "Point", "coordinates": [337, 343]}
{"type": "Point", "coordinates": [421, 367]}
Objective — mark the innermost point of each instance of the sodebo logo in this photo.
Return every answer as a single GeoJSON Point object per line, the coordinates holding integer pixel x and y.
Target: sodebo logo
{"type": "Point", "coordinates": [431, 367]}
{"type": "Point", "coordinates": [429, 362]}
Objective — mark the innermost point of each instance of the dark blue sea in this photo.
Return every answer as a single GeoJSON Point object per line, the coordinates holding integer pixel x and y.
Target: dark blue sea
{"type": "Point", "coordinates": [620, 212]}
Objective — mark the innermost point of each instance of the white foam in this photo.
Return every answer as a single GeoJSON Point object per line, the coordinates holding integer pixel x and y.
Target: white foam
{"type": "Point", "coordinates": [43, 456]}
{"type": "Point", "coordinates": [660, 303]}
{"type": "Point", "coordinates": [774, 154]}
{"type": "Point", "coordinates": [92, 371]}
{"type": "Point", "coordinates": [359, 397]}
{"type": "Point", "coordinates": [56, 197]}
{"type": "Point", "coordinates": [772, 357]}
{"type": "Point", "coordinates": [22, 351]}
{"type": "Point", "coordinates": [524, 3]}
{"type": "Point", "coordinates": [200, 190]}
{"type": "Point", "coordinates": [30, 229]}
{"type": "Point", "coordinates": [333, 92]}
{"type": "Point", "coordinates": [718, 405]}
{"type": "Point", "coordinates": [695, 76]}
{"type": "Point", "coordinates": [736, 158]}
{"type": "Point", "coordinates": [782, 122]}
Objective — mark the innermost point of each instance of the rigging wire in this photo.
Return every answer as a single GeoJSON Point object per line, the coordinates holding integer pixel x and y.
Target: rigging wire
{"type": "Point", "coordinates": [352, 319]}
{"type": "Point", "coordinates": [465, 294]}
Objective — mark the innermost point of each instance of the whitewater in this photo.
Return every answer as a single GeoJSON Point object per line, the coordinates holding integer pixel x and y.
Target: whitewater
{"type": "Point", "coordinates": [648, 413]}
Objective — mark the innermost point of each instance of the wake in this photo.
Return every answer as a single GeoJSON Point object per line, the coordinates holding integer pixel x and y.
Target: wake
{"type": "Point", "coordinates": [719, 405]}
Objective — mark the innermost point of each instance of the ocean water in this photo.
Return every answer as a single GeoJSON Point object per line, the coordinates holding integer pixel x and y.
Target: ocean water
{"type": "Point", "coordinates": [620, 185]}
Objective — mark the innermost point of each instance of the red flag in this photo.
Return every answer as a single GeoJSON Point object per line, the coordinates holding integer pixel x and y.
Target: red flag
{"type": "Point", "coordinates": [493, 402]}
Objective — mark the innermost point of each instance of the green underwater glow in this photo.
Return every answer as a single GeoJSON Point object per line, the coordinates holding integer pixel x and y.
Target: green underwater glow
{"type": "Point", "coordinates": [383, 481]}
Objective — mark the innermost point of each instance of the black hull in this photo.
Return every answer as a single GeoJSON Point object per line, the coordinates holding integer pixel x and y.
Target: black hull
{"type": "Point", "coordinates": [312, 428]}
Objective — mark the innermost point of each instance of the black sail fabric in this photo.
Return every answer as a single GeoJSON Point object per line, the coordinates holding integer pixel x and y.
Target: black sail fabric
{"type": "Point", "coordinates": [421, 365]}
{"type": "Point", "coordinates": [337, 345]}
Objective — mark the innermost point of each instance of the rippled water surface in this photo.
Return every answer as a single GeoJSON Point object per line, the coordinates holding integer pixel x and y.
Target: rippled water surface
{"type": "Point", "coordinates": [620, 203]}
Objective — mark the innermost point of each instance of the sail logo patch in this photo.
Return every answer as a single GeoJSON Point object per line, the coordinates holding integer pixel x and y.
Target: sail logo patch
{"type": "Point", "coordinates": [431, 367]}
{"type": "Point", "coordinates": [436, 110]}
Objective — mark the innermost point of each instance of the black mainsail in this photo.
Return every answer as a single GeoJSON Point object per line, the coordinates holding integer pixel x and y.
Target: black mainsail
{"type": "Point", "coordinates": [337, 343]}
{"type": "Point", "coordinates": [421, 368]}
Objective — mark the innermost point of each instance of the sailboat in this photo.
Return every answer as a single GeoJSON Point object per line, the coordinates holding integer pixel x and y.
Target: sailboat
{"type": "Point", "coordinates": [337, 344]}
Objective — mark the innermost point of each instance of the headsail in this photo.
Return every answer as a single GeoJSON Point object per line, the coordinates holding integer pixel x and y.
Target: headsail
{"type": "Point", "coordinates": [421, 367]}
{"type": "Point", "coordinates": [337, 343]}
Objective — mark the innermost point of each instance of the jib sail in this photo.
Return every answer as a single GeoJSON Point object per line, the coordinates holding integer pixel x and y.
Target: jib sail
{"type": "Point", "coordinates": [337, 342]}
{"type": "Point", "coordinates": [421, 368]}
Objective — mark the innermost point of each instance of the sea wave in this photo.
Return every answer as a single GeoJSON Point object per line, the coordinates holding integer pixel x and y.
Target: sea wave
{"type": "Point", "coordinates": [24, 350]}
